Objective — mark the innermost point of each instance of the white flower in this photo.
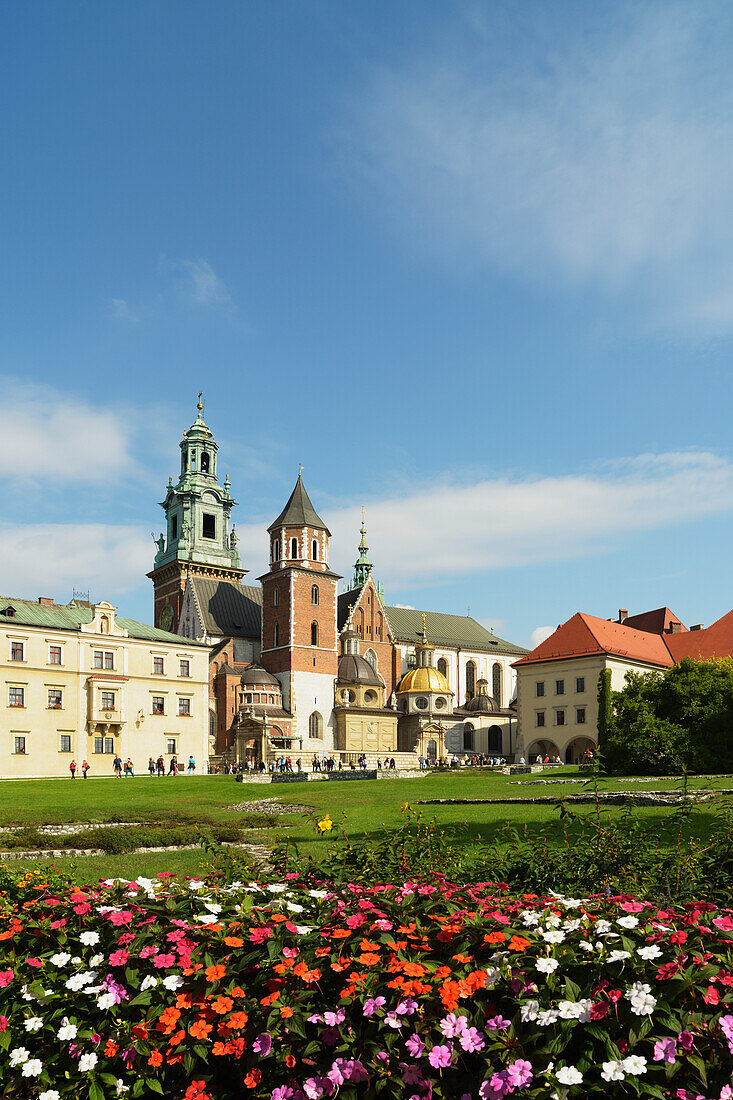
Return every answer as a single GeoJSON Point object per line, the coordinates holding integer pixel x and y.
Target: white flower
{"type": "Point", "coordinates": [585, 945]}
{"type": "Point", "coordinates": [60, 958]}
{"type": "Point", "coordinates": [318, 893]}
{"type": "Point", "coordinates": [552, 920]}
{"type": "Point", "coordinates": [87, 1062]}
{"type": "Point", "coordinates": [89, 938]}
{"type": "Point", "coordinates": [78, 981]}
{"type": "Point", "coordinates": [571, 925]}
{"type": "Point", "coordinates": [569, 1075]}
{"type": "Point", "coordinates": [650, 952]}
{"type": "Point", "coordinates": [121, 1086]}
{"type": "Point", "coordinates": [575, 1010]}
{"type": "Point", "coordinates": [545, 966]}
{"type": "Point", "coordinates": [547, 1017]}
{"type": "Point", "coordinates": [206, 918]}
{"type": "Point", "coordinates": [34, 1023]}
{"type": "Point", "coordinates": [275, 888]}
{"type": "Point", "coordinates": [294, 908]}
{"type": "Point", "coordinates": [196, 884]}
{"type": "Point", "coordinates": [553, 937]}
{"type": "Point", "coordinates": [617, 956]}
{"type": "Point", "coordinates": [627, 922]}
{"type": "Point", "coordinates": [303, 929]}
{"type": "Point", "coordinates": [96, 960]}
{"type": "Point", "coordinates": [146, 883]}
{"type": "Point", "coordinates": [67, 1030]}
{"type": "Point", "coordinates": [635, 1065]}
{"type": "Point", "coordinates": [19, 1056]}
{"type": "Point", "coordinates": [530, 918]}
{"type": "Point", "coordinates": [148, 983]}
{"type": "Point", "coordinates": [76, 960]}
{"type": "Point", "coordinates": [612, 1071]}
{"type": "Point", "coordinates": [642, 1002]}
{"type": "Point", "coordinates": [107, 1000]}
{"type": "Point", "coordinates": [529, 1011]}
{"type": "Point", "coordinates": [50, 1094]}
{"type": "Point", "coordinates": [173, 981]}
{"type": "Point", "coordinates": [602, 926]}
{"type": "Point", "coordinates": [32, 1068]}
{"type": "Point", "coordinates": [212, 906]}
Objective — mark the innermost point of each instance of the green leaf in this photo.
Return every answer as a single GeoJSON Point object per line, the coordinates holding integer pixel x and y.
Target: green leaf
{"type": "Point", "coordinates": [142, 998]}
{"type": "Point", "coordinates": [154, 1085]}
{"type": "Point", "coordinates": [696, 1061]}
{"type": "Point", "coordinates": [96, 1092]}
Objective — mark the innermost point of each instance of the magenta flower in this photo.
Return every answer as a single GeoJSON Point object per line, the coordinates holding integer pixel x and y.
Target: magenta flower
{"type": "Point", "coordinates": [164, 961]}
{"type": "Point", "coordinates": [355, 921]}
{"type": "Point", "coordinates": [452, 1025]}
{"type": "Point", "coordinates": [471, 1040]}
{"type": "Point", "coordinates": [3, 1023]}
{"type": "Point", "coordinates": [118, 958]}
{"type": "Point", "coordinates": [333, 1019]}
{"type": "Point", "coordinates": [406, 1007]}
{"type": "Point", "coordinates": [665, 1050]}
{"type": "Point", "coordinates": [440, 1056]}
{"type": "Point", "coordinates": [393, 1020]}
{"type": "Point", "coordinates": [352, 1069]}
{"type": "Point", "coordinates": [6, 977]}
{"type": "Point", "coordinates": [415, 1046]}
{"type": "Point", "coordinates": [312, 1088]}
{"type": "Point", "coordinates": [497, 1023]}
{"type": "Point", "coordinates": [726, 1023]}
{"type": "Point", "coordinates": [411, 1074]}
{"type": "Point", "coordinates": [519, 1073]}
{"type": "Point", "coordinates": [262, 1045]}
{"type": "Point", "coordinates": [372, 1004]}
{"type": "Point", "coordinates": [686, 1040]}
{"type": "Point", "coordinates": [282, 1092]}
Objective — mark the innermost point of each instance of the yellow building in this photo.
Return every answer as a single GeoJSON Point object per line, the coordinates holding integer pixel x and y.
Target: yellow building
{"type": "Point", "coordinates": [364, 725]}
{"type": "Point", "coordinates": [79, 682]}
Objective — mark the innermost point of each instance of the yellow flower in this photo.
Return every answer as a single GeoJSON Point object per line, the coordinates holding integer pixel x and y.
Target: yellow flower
{"type": "Point", "coordinates": [326, 825]}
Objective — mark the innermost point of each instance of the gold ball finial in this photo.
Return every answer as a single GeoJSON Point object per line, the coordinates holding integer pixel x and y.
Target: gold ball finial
{"type": "Point", "coordinates": [200, 405]}
{"type": "Point", "coordinates": [301, 467]}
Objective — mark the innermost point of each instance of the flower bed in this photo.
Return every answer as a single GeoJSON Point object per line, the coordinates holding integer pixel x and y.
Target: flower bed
{"type": "Point", "coordinates": [279, 990]}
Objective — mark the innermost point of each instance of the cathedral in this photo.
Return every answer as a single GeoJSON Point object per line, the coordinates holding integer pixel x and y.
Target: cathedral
{"type": "Point", "coordinates": [298, 667]}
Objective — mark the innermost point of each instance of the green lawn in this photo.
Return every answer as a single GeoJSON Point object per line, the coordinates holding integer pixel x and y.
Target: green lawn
{"type": "Point", "coordinates": [362, 808]}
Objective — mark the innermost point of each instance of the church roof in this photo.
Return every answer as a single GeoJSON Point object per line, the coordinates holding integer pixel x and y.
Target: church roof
{"type": "Point", "coordinates": [299, 512]}
{"type": "Point", "coordinates": [444, 631]}
{"type": "Point", "coordinates": [60, 616]}
{"type": "Point", "coordinates": [355, 669]}
{"type": "Point", "coordinates": [585, 635]}
{"type": "Point", "coordinates": [228, 609]}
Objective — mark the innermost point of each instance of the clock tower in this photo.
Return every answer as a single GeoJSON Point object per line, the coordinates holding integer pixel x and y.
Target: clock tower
{"type": "Point", "coordinates": [197, 540]}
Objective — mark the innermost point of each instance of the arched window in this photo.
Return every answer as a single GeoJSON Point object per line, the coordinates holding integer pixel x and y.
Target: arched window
{"type": "Point", "coordinates": [204, 462]}
{"type": "Point", "coordinates": [314, 595]}
{"type": "Point", "coordinates": [315, 550]}
{"type": "Point", "coordinates": [276, 636]}
{"type": "Point", "coordinates": [192, 460]}
{"type": "Point", "coordinates": [379, 625]}
{"type": "Point", "coordinates": [315, 726]}
{"type": "Point", "coordinates": [470, 679]}
{"type": "Point", "coordinates": [468, 737]}
{"type": "Point", "coordinates": [443, 666]}
{"type": "Point", "coordinates": [494, 743]}
{"type": "Point", "coordinates": [314, 633]}
{"type": "Point", "coordinates": [496, 683]}
{"type": "Point", "coordinates": [293, 548]}
{"type": "Point", "coordinates": [276, 549]}
{"type": "Point", "coordinates": [371, 657]}
{"type": "Point", "coordinates": [275, 597]}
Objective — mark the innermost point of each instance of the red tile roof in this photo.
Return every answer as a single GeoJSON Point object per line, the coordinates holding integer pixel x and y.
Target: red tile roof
{"type": "Point", "coordinates": [655, 622]}
{"type": "Point", "coordinates": [715, 641]}
{"type": "Point", "coordinates": [585, 635]}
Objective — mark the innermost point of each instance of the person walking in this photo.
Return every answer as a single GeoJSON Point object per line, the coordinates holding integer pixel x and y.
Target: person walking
{"type": "Point", "coordinates": [118, 766]}
{"type": "Point", "coordinates": [173, 766]}
{"type": "Point", "coordinates": [161, 766]}
{"type": "Point", "coordinates": [72, 769]}
{"type": "Point", "coordinates": [129, 770]}
{"type": "Point", "coordinates": [191, 765]}
{"type": "Point", "coordinates": [84, 769]}
{"type": "Point", "coordinates": [151, 767]}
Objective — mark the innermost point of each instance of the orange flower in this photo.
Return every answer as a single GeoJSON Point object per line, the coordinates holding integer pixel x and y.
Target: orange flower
{"type": "Point", "coordinates": [289, 1060]}
{"type": "Point", "coordinates": [200, 1029]}
{"type": "Point", "coordinates": [443, 972]}
{"type": "Point", "coordinates": [155, 1059]}
{"type": "Point", "coordinates": [253, 1079]}
{"type": "Point", "coordinates": [286, 1012]}
{"type": "Point", "coordinates": [518, 943]}
{"type": "Point", "coordinates": [183, 1000]}
{"type": "Point", "coordinates": [462, 958]}
{"type": "Point", "coordinates": [177, 1038]}
{"type": "Point", "coordinates": [238, 1019]}
{"type": "Point", "coordinates": [140, 1031]}
{"type": "Point", "coordinates": [414, 970]}
{"type": "Point", "coordinates": [340, 934]}
{"type": "Point", "coordinates": [476, 980]}
{"type": "Point", "coordinates": [237, 992]}
{"type": "Point", "coordinates": [233, 941]}
{"type": "Point", "coordinates": [278, 918]}
{"type": "Point", "coordinates": [222, 1005]}
{"type": "Point", "coordinates": [368, 959]}
{"type": "Point", "coordinates": [111, 1048]}
{"type": "Point", "coordinates": [271, 999]}
{"type": "Point", "coordinates": [221, 1048]}
{"type": "Point", "coordinates": [494, 937]}
{"type": "Point", "coordinates": [213, 973]}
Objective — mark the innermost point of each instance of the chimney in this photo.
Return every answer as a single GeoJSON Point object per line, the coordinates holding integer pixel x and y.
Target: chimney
{"type": "Point", "coordinates": [675, 628]}
{"type": "Point", "coordinates": [699, 626]}
{"type": "Point", "coordinates": [623, 613]}
{"type": "Point", "coordinates": [45, 601]}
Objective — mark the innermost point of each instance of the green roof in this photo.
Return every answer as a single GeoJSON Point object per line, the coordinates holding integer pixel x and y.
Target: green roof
{"type": "Point", "coordinates": [70, 616]}
{"type": "Point", "coordinates": [446, 631]}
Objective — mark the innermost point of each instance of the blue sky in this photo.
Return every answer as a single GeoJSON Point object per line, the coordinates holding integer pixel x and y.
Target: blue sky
{"type": "Point", "coordinates": [469, 263]}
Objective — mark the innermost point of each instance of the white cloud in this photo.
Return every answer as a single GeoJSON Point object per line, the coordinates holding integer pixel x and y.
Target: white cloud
{"type": "Point", "coordinates": [593, 152]}
{"type": "Point", "coordinates": [203, 286]}
{"type": "Point", "coordinates": [539, 635]}
{"type": "Point", "coordinates": [58, 438]}
{"type": "Point", "coordinates": [450, 530]}
{"type": "Point", "coordinates": [121, 310]}
{"type": "Point", "coordinates": [52, 559]}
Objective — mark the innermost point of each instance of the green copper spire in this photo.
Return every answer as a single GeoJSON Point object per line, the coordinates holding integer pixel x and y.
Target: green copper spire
{"type": "Point", "coordinates": [363, 566]}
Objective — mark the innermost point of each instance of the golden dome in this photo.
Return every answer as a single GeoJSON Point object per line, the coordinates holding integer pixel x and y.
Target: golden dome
{"type": "Point", "coordinates": [425, 679]}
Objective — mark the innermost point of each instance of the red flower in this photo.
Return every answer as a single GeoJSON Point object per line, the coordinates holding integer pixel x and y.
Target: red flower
{"type": "Point", "coordinates": [253, 1079]}
{"type": "Point", "coordinates": [711, 996]}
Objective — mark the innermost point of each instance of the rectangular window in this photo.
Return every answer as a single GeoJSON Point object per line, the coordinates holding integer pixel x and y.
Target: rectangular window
{"type": "Point", "coordinates": [559, 687]}
{"type": "Point", "coordinates": [174, 527]}
{"type": "Point", "coordinates": [184, 668]}
{"type": "Point", "coordinates": [98, 661]}
{"type": "Point", "coordinates": [560, 718]}
{"type": "Point", "coordinates": [540, 718]}
{"type": "Point", "coordinates": [19, 745]}
{"type": "Point", "coordinates": [171, 750]}
{"type": "Point", "coordinates": [109, 659]}
{"type": "Point", "coordinates": [98, 744]}
{"type": "Point", "coordinates": [275, 597]}
{"type": "Point", "coordinates": [16, 651]}
{"type": "Point", "coordinates": [65, 742]}
{"type": "Point", "coordinates": [540, 689]}
{"type": "Point", "coordinates": [54, 654]}
{"type": "Point", "coordinates": [158, 666]}
{"type": "Point", "coordinates": [16, 697]}
{"type": "Point", "coordinates": [580, 684]}
{"type": "Point", "coordinates": [184, 708]}
{"type": "Point", "coordinates": [54, 698]}
{"type": "Point", "coordinates": [103, 659]}
{"type": "Point", "coordinates": [158, 704]}
{"type": "Point", "coordinates": [580, 716]}
{"type": "Point", "coordinates": [108, 700]}
{"type": "Point", "coordinates": [208, 529]}
{"type": "Point", "coordinates": [109, 745]}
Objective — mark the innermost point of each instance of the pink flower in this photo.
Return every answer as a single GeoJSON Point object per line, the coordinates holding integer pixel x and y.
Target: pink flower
{"type": "Point", "coordinates": [118, 958]}
{"type": "Point", "coordinates": [726, 1023]}
{"type": "Point", "coordinates": [415, 1046]}
{"type": "Point", "coordinates": [6, 977]}
{"type": "Point", "coordinates": [34, 962]}
{"type": "Point", "coordinates": [471, 1040]}
{"type": "Point", "coordinates": [452, 1025]}
{"type": "Point", "coordinates": [3, 1023]}
{"type": "Point", "coordinates": [440, 1056]}
{"type": "Point", "coordinates": [406, 1007]}
{"type": "Point", "coordinates": [259, 935]}
{"type": "Point", "coordinates": [333, 1019]}
{"type": "Point", "coordinates": [164, 961]}
{"type": "Point", "coordinates": [725, 924]}
{"type": "Point", "coordinates": [383, 925]}
{"type": "Point", "coordinates": [82, 908]}
{"type": "Point", "coordinates": [125, 917]}
{"type": "Point", "coordinates": [711, 996]}
{"type": "Point", "coordinates": [665, 1050]}
{"type": "Point", "coordinates": [282, 1092]}
{"type": "Point", "coordinates": [686, 1040]}
{"type": "Point", "coordinates": [497, 1023]}
{"type": "Point", "coordinates": [372, 1004]}
{"type": "Point", "coordinates": [519, 1073]}
{"type": "Point", "coordinates": [262, 1045]}
{"type": "Point", "coordinates": [355, 921]}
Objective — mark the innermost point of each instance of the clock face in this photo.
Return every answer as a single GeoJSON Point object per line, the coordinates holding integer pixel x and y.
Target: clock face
{"type": "Point", "coordinates": [107, 715]}
{"type": "Point", "coordinates": [166, 617]}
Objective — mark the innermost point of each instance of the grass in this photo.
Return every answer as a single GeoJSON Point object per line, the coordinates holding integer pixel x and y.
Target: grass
{"type": "Point", "coordinates": [363, 810]}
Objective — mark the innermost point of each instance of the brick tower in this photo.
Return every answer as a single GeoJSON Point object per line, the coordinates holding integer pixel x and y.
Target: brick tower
{"type": "Point", "coordinates": [299, 633]}
{"type": "Point", "coordinates": [197, 540]}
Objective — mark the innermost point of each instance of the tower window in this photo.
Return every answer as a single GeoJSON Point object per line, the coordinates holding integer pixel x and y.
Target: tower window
{"type": "Point", "coordinates": [293, 548]}
{"type": "Point", "coordinates": [496, 683]}
{"type": "Point", "coordinates": [315, 726]}
{"type": "Point", "coordinates": [314, 633]}
{"type": "Point", "coordinates": [174, 527]}
{"type": "Point", "coordinates": [209, 526]}
{"type": "Point", "coordinates": [315, 550]}
{"type": "Point", "coordinates": [204, 462]}
{"type": "Point", "coordinates": [276, 550]}
{"type": "Point", "coordinates": [470, 679]}
{"type": "Point", "coordinates": [275, 597]}
{"type": "Point", "coordinates": [276, 636]}
{"type": "Point", "coordinates": [315, 595]}
{"type": "Point", "coordinates": [443, 666]}
{"type": "Point", "coordinates": [192, 460]}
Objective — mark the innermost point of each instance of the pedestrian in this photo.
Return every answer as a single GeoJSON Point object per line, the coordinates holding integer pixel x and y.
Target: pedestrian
{"type": "Point", "coordinates": [84, 769]}
{"type": "Point", "coordinates": [173, 766]}
{"type": "Point", "coordinates": [161, 766]}
{"type": "Point", "coordinates": [151, 767]}
{"type": "Point", "coordinates": [191, 765]}
{"type": "Point", "coordinates": [118, 766]}
{"type": "Point", "coordinates": [72, 769]}
{"type": "Point", "coordinates": [129, 769]}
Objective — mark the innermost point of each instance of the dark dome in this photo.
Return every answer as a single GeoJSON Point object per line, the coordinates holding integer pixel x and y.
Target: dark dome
{"type": "Point", "coordinates": [255, 675]}
{"type": "Point", "coordinates": [480, 704]}
{"type": "Point", "coordinates": [354, 669]}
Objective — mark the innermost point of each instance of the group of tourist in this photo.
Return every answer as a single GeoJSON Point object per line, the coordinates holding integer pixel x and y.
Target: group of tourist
{"type": "Point", "coordinates": [84, 769]}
